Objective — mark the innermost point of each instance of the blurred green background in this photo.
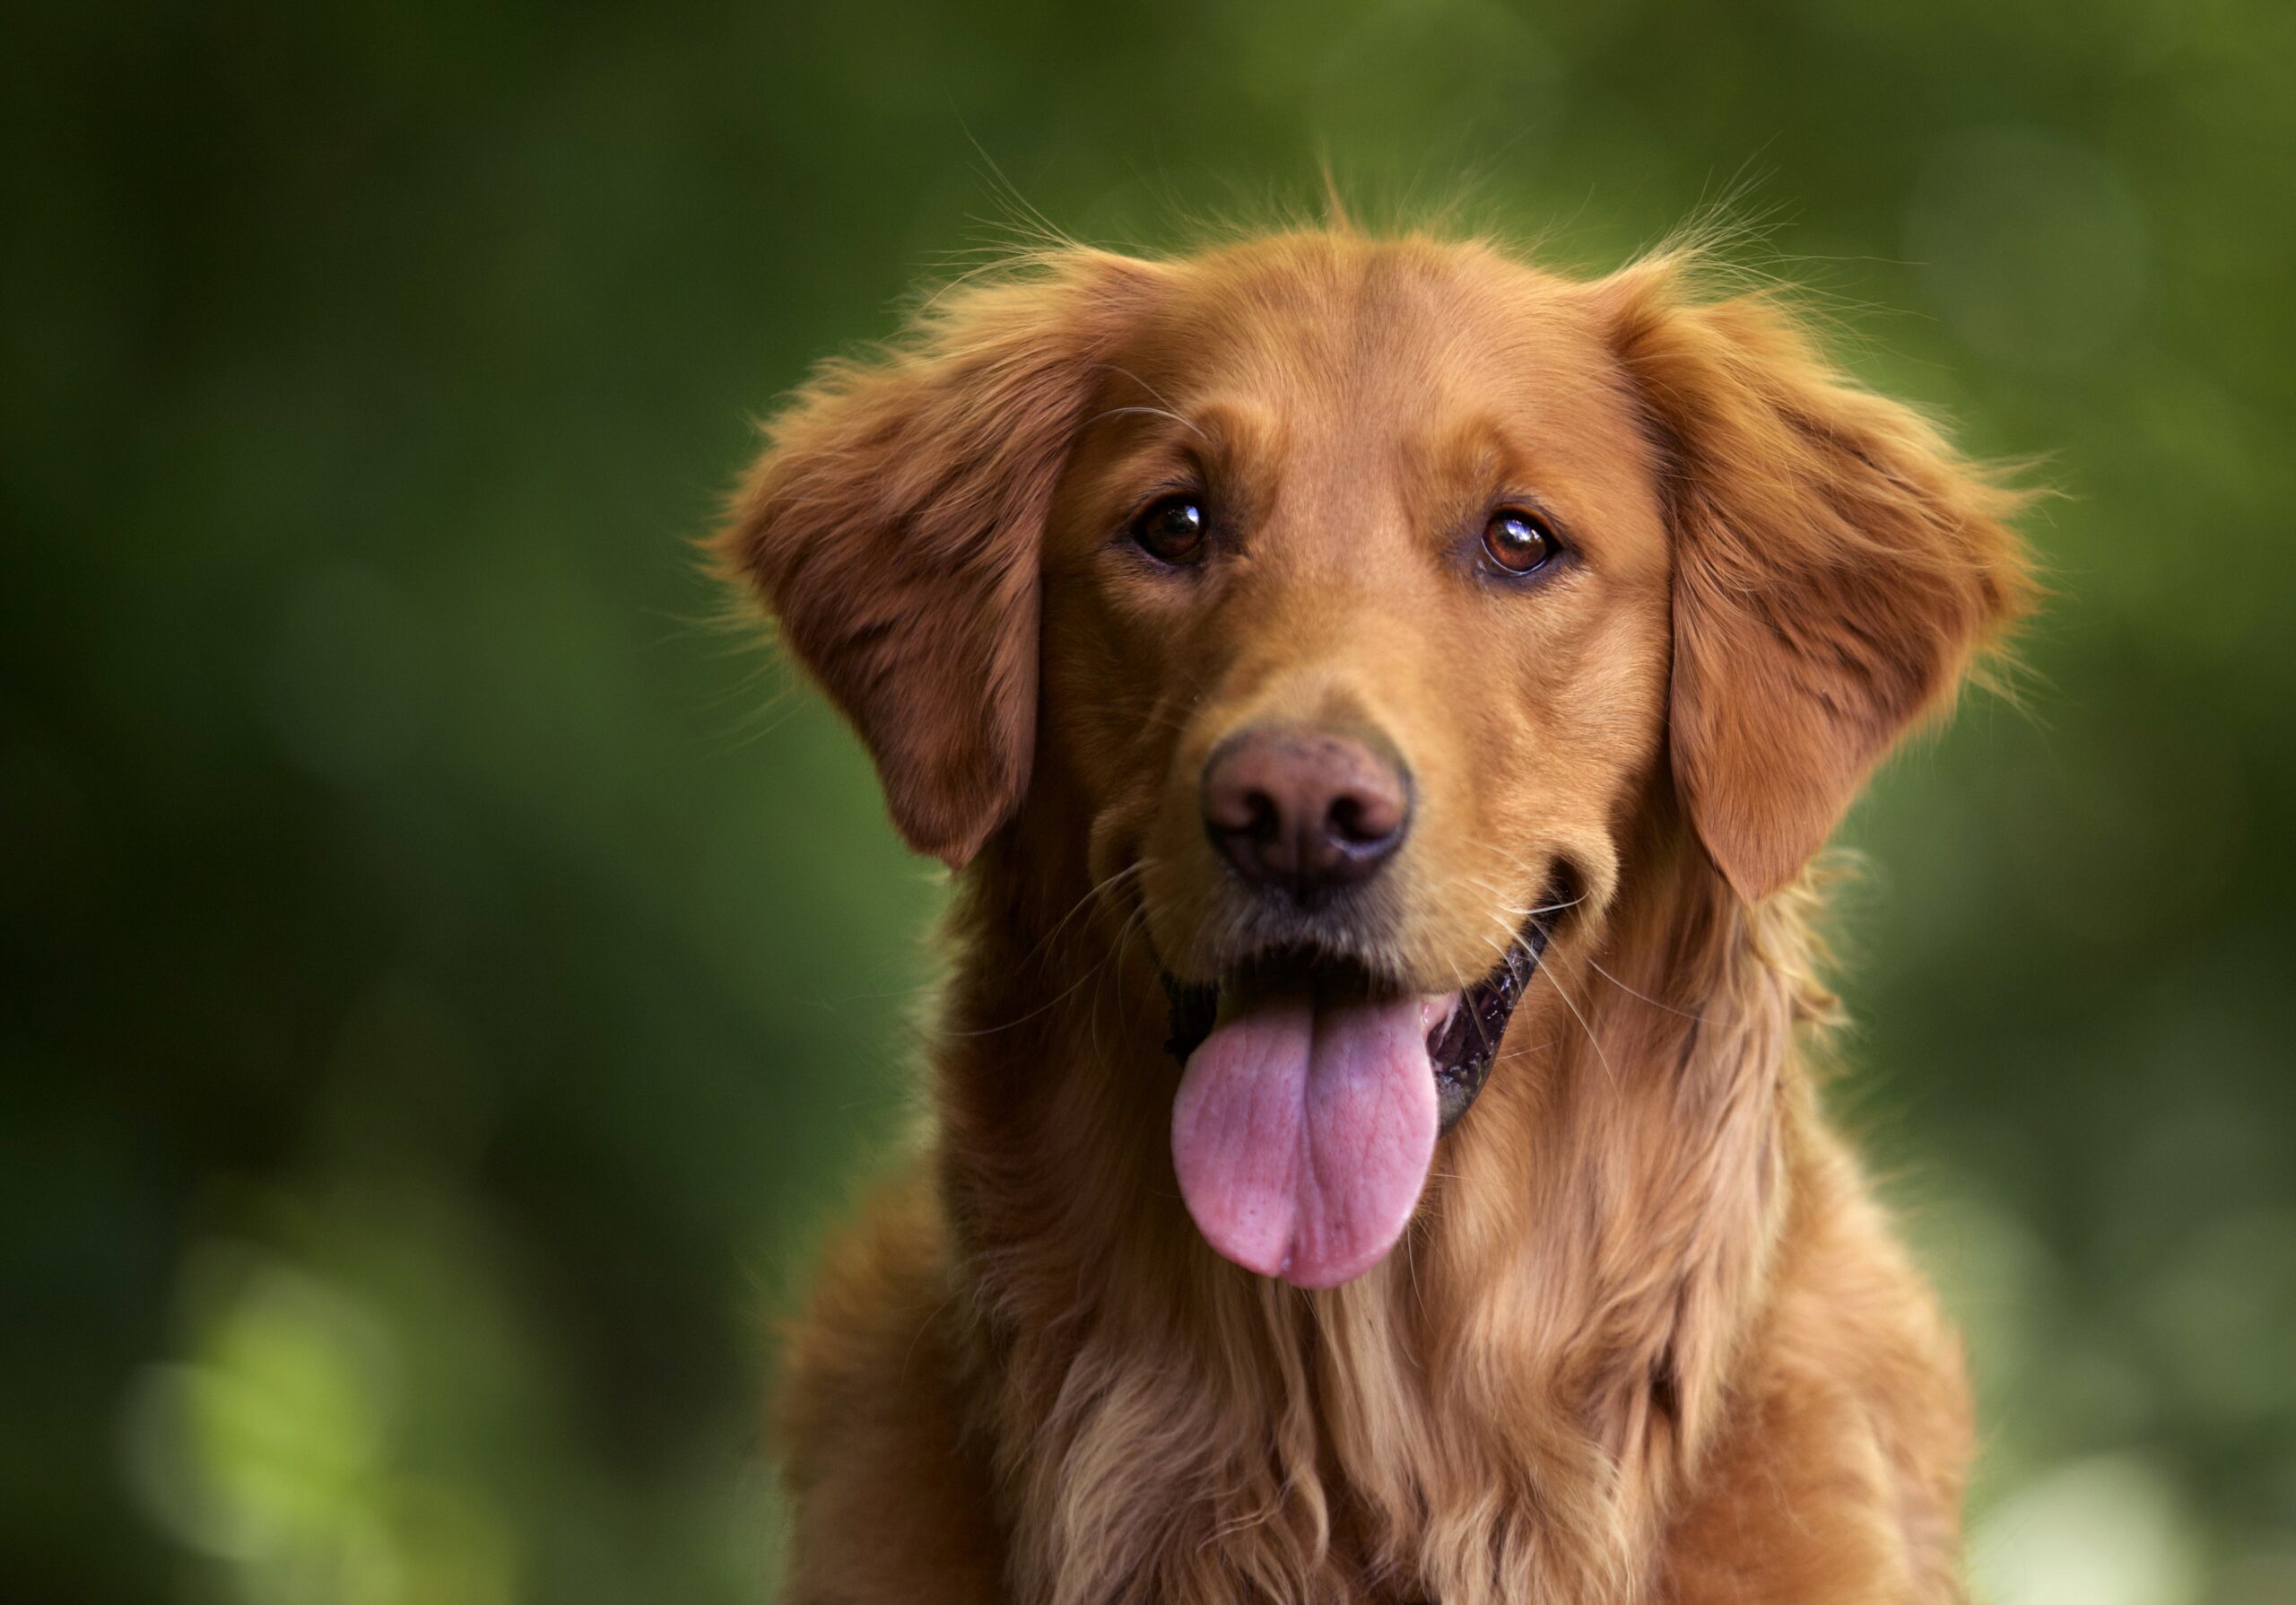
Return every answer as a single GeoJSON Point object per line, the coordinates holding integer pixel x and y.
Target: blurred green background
{"type": "Point", "coordinates": [447, 986]}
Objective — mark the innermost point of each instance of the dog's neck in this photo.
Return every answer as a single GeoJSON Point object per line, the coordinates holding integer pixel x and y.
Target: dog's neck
{"type": "Point", "coordinates": [1502, 1408]}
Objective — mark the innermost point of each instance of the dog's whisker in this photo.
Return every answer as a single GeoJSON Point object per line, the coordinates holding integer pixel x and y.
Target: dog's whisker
{"type": "Point", "coordinates": [1106, 884]}
{"type": "Point", "coordinates": [1541, 967]}
{"type": "Point", "coordinates": [1116, 946]}
{"type": "Point", "coordinates": [1150, 412]}
{"type": "Point", "coordinates": [1164, 404]}
{"type": "Point", "coordinates": [1134, 924]}
{"type": "Point", "coordinates": [1644, 997]}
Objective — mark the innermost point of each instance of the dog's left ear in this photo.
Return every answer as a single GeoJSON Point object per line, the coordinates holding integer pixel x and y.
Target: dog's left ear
{"type": "Point", "coordinates": [1836, 565]}
{"type": "Point", "coordinates": [893, 527]}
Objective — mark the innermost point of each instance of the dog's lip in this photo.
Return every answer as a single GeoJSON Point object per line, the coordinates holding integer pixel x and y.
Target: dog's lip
{"type": "Point", "coordinates": [1464, 1047]}
{"type": "Point", "coordinates": [1461, 1043]}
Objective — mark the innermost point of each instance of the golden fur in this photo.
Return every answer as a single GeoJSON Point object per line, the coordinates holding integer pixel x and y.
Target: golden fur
{"type": "Point", "coordinates": [1649, 1338]}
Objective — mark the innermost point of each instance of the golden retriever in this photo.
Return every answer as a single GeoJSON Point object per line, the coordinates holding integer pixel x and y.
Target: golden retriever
{"type": "Point", "coordinates": [1380, 701]}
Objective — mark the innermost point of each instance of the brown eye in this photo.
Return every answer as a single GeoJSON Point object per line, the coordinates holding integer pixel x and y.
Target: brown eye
{"type": "Point", "coordinates": [1519, 542]}
{"type": "Point", "coordinates": [1173, 530]}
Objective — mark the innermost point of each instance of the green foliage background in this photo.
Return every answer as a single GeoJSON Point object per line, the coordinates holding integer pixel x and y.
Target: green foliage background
{"type": "Point", "coordinates": [447, 986]}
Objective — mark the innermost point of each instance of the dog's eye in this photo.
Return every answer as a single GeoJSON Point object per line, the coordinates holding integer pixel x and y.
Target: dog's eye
{"type": "Point", "coordinates": [1519, 542]}
{"type": "Point", "coordinates": [1172, 530]}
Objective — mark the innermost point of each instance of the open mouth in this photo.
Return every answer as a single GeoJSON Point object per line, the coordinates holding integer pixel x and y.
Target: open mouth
{"type": "Point", "coordinates": [1460, 1045]}
{"type": "Point", "coordinates": [1312, 1095]}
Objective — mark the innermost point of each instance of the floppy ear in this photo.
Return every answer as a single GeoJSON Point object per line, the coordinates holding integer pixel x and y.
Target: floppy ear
{"type": "Point", "coordinates": [892, 525]}
{"type": "Point", "coordinates": [1836, 563]}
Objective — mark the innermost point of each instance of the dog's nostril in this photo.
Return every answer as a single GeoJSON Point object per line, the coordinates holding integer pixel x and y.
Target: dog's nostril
{"type": "Point", "coordinates": [1264, 821]}
{"type": "Point", "coordinates": [1362, 821]}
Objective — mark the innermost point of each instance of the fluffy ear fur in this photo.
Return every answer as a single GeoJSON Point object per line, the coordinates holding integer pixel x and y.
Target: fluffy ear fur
{"type": "Point", "coordinates": [892, 525]}
{"type": "Point", "coordinates": [1836, 563]}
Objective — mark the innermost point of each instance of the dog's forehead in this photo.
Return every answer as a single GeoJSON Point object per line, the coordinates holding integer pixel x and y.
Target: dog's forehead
{"type": "Point", "coordinates": [1344, 365]}
{"type": "Point", "coordinates": [1351, 349]}
{"type": "Point", "coordinates": [1317, 321]}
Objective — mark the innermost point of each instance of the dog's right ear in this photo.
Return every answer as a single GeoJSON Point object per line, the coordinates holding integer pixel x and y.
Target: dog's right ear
{"type": "Point", "coordinates": [892, 525]}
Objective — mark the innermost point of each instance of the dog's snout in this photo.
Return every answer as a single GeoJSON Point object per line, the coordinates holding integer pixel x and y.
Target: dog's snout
{"type": "Point", "coordinates": [1304, 811]}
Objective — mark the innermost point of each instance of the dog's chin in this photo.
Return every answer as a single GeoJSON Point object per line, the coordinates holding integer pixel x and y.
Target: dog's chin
{"type": "Point", "coordinates": [1464, 1029]}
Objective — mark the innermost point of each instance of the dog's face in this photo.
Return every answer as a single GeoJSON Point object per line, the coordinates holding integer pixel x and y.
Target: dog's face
{"type": "Point", "coordinates": [1361, 595]}
{"type": "Point", "coordinates": [1355, 611]}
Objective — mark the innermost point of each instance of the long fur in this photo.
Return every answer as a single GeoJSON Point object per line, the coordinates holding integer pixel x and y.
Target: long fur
{"type": "Point", "coordinates": [1648, 1337]}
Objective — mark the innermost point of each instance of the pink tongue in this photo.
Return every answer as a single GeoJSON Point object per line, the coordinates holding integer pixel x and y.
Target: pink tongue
{"type": "Point", "coordinates": [1302, 1134]}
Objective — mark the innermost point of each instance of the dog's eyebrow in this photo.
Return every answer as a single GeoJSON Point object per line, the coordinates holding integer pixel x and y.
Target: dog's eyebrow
{"type": "Point", "coordinates": [1152, 411]}
{"type": "Point", "coordinates": [1163, 409]}
{"type": "Point", "coordinates": [1224, 444]}
{"type": "Point", "coordinates": [1218, 432]}
{"type": "Point", "coordinates": [1475, 457]}
{"type": "Point", "coordinates": [1464, 463]}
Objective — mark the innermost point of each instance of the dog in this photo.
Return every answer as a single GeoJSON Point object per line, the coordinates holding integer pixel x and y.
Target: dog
{"type": "Point", "coordinates": [1380, 701]}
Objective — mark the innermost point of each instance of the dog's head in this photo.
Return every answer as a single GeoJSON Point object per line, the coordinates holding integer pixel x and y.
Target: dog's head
{"type": "Point", "coordinates": [1363, 594]}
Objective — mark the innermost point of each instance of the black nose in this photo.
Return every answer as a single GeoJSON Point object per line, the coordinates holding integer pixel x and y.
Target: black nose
{"type": "Point", "coordinates": [1302, 810]}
